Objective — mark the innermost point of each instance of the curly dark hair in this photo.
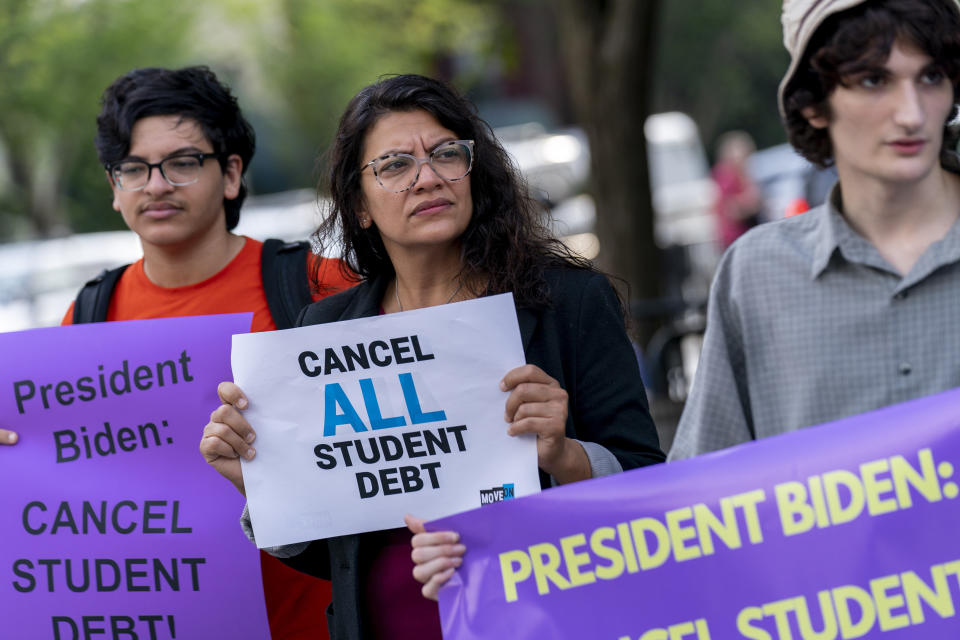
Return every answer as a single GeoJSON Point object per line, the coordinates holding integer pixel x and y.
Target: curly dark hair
{"type": "Point", "coordinates": [857, 39]}
{"type": "Point", "coordinates": [507, 244]}
{"type": "Point", "coordinates": [191, 92]}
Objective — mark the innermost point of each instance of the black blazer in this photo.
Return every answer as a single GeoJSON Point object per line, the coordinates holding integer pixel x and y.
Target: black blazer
{"type": "Point", "coordinates": [580, 341]}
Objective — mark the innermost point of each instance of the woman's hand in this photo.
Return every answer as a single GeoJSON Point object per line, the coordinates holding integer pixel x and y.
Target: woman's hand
{"type": "Point", "coordinates": [8, 437]}
{"type": "Point", "coordinates": [538, 404]}
{"type": "Point", "coordinates": [436, 554]}
{"type": "Point", "coordinates": [228, 435]}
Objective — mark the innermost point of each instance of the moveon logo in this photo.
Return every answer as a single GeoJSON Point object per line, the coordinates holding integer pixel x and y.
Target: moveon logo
{"type": "Point", "coordinates": [496, 494]}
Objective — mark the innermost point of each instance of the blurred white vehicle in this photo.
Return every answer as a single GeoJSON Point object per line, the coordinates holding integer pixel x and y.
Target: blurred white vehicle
{"type": "Point", "coordinates": [683, 198]}
{"type": "Point", "coordinates": [683, 192]}
{"type": "Point", "coordinates": [786, 179]}
{"type": "Point", "coordinates": [39, 279]}
{"type": "Point", "coordinates": [556, 164]}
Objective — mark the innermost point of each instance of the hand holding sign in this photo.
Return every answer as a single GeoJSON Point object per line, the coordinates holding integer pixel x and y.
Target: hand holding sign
{"type": "Point", "coordinates": [8, 437]}
{"type": "Point", "coordinates": [437, 554]}
{"type": "Point", "coordinates": [538, 404]}
{"type": "Point", "coordinates": [228, 435]}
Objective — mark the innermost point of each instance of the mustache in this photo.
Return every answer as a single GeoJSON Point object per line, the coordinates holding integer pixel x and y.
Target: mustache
{"type": "Point", "coordinates": [166, 203]}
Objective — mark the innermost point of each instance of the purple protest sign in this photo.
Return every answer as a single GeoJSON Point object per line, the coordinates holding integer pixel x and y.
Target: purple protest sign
{"type": "Point", "coordinates": [111, 524]}
{"type": "Point", "coordinates": [846, 530]}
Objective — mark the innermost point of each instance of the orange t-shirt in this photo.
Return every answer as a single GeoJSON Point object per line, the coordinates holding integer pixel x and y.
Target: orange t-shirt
{"type": "Point", "coordinates": [295, 601]}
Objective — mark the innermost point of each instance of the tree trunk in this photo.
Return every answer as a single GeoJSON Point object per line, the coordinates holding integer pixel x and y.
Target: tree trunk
{"type": "Point", "coordinates": [608, 47]}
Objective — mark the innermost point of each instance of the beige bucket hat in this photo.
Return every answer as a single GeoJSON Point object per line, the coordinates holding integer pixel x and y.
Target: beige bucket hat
{"type": "Point", "coordinates": [801, 18]}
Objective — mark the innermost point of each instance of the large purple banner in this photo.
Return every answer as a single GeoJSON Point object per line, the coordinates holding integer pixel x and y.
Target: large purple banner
{"type": "Point", "coordinates": [111, 525]}
{"type": "Point", "coordinates": [846, 530]}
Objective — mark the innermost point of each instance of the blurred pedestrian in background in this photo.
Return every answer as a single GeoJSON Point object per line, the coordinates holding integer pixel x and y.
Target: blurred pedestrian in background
{"type": "Point", "coordinates": [739, 203]}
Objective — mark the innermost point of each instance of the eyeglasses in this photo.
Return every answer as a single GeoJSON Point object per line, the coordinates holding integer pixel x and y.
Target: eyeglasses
{"type": "Point", "coordinates": [179, 170]}
{"type": "Point", "coordinates": [397, 172]}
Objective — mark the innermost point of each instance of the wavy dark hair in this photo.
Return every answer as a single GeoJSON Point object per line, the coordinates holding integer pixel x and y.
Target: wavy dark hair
{"type": "Point", "coordinates": [507, 244]}
{"type": "Point", "coordinates": [861, 38]}
{"type": "Point", "coordinates": [191, 92]}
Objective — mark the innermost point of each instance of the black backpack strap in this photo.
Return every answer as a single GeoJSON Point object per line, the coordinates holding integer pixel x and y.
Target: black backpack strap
{"type": "Point", "coordinates": [283, 269]}
{"type": "Point", "coordinates": [93, 300]}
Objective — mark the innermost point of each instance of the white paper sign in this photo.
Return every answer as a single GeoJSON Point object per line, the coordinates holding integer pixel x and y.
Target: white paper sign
{"type": "Point", "coordinates": [359, 422]}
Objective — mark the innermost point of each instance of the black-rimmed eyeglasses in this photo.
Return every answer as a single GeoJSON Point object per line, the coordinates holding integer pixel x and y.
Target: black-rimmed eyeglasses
{"type": "Point", "coordinates": [178, 170]}
{"type": "Point", "coordinates": [397, 172]}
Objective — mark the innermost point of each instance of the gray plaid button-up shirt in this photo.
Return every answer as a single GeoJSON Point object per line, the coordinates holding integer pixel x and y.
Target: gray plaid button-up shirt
{"type": "Point", "coordinates": [807, 323]}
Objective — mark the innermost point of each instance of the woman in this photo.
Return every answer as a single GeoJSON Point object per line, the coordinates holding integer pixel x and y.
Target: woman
{"type": "Point", "coordinates": [429, 210]}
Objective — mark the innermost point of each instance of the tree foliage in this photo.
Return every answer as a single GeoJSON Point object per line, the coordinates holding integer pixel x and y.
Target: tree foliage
{"type": "Point", "coordinates": [56, 57]}
{"type": "Point", "coordinates": [721, 62]}
{"type": "Point", "coordinates": [292, 63]}
{"type": "Point", "coordinates": [331, 50]}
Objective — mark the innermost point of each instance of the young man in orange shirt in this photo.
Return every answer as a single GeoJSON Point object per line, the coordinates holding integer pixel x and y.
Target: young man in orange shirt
{"type": "Point", "coordinates": [175, 146]}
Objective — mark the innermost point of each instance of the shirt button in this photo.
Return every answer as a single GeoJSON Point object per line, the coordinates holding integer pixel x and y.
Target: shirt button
{"type": "Point", "coordinates": [900, 296]}
{"type": "Point", "coordinates": [905, 368]}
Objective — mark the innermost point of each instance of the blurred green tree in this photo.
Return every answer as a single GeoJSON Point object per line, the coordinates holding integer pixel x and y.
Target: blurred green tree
{"type": "Point", "coordinates": [331, 50]}
{"type": "Point", "coordinates": [56, 57]}
{"type": "Point", "coordinates": [293, 64]}
{"type": "Point", "coordinates": [721, 64]}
